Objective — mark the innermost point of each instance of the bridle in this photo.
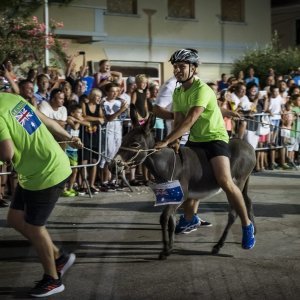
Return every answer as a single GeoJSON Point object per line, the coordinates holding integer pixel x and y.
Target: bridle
{"type": "Point", "coordinates": [131, 162]}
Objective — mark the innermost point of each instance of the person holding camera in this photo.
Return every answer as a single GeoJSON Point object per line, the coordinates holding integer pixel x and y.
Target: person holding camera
{"type": "Point", "coordinates": [9, 78]}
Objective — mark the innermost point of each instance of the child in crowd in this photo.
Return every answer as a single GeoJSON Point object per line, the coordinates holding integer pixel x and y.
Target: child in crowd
{"type": "Point", "coordinates": [224, 102]}
{"type": "Point", "coordinates": [239, 103]}
{"type": "Point", "coordinates": [159, 126]}
{"type": "Point", "coordinates": [285, 132]}
{"type": "Point", "coordinates": [295, 133]}
{"type": "Point", "coordinates": [263, 131]}
{"type": "Point", "coordinates": [74, 121]}
{"type": "Point", "coordinates": [139, 99]}
{"type": "Point", "coordinates": [105, 75]}
{"type": "Point", "coordinates": [114, 110]}
{"type": "Point", "coordinates": [275, 105]}
{"type": "Point", "coordinates": [70, 97]}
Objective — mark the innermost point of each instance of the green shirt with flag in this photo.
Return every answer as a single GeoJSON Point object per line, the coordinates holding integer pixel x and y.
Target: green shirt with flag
{"type": "Point", "coordinates": [38, 159]}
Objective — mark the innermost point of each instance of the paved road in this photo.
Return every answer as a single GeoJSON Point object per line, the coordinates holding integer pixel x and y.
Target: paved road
{"type": "Point", "coordinates": [116, 237]}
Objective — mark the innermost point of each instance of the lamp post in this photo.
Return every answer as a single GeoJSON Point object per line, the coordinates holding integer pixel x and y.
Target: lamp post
{"type": "Point", "coordinates": [149, 12]}
{"type": "Point", "coordinates": [221, 22]}
{"type": "Point", "coordinates": [46, 20]}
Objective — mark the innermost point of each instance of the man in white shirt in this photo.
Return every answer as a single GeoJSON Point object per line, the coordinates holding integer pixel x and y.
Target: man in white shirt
{"type": "Point", "coordinates": [55, 109]}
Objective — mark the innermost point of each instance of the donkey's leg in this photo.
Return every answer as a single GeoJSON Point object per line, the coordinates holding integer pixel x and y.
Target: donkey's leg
{"type": "Point", "coordinates": [232, 215]}
{"type": "Point", "coordinates": [164, 221]}
{"type": "Point", "coordinates": [171, 228]}
{"type": "Point", "coordinates": [168, 223]}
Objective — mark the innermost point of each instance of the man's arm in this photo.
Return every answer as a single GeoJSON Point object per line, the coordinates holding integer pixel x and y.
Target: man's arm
{"type": "Point", "coordinates": [6, 150]}
{"type": "Point", "coordinates": [229, 113]}
{"type": "Point", "coordinates": [163, 113]}
{"type": "Point", "coordinates": [53, 127]}
{"type": "Point", "coordinates": [181, 125]}
{"type": "Point", "coordinates": [14, 86]}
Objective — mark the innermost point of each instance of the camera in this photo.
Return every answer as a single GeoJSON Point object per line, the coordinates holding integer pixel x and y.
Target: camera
{"type": "Point", "coordinates": [81, 52]}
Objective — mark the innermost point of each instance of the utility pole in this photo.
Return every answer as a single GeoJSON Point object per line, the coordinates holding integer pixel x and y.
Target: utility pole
{"type": "Point", "coordinates": [149, 13]}
{"type": "Point", "coordinates": [46, 21]}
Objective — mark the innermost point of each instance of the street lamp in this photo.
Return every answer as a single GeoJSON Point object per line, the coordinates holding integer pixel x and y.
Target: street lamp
{"type": "Point", "coordinates": [46, 21]}
{"type": "Point", "coordinates": [149, 12]}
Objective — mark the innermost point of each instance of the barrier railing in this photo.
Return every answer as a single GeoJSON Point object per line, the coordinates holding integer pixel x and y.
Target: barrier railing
{"type": "Point", "coordinates": [273, 137]}
{"type": "Point", "coordinates": [253, 120]}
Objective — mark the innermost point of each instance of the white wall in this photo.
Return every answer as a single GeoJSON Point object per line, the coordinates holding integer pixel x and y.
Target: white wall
{"type": "Point", "coordinates": [126, 37]}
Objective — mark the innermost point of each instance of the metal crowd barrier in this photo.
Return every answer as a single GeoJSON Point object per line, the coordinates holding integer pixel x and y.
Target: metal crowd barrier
{"type": "Point", "coordinates": [256, 120]}
{"type": "Point", "coordinates": [253, 120]}
{"type": "Point", "coordinates": [100, 152]}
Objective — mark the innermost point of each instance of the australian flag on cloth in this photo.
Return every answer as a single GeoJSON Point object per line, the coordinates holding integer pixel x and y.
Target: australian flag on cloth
{"type": "Point", "coordinates": [167, 193]}
{"type": "Point", "coordinates": [26, 117]}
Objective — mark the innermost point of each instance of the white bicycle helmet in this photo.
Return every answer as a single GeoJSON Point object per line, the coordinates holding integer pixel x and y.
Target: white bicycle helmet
{"type": "Point", "coordinates": [189, 56]}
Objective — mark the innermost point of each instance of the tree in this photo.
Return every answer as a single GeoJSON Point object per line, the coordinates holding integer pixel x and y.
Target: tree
{"type": "Point", "coordinates": [23, 40]}
{"type": "Point", "coordinates": [271, 56]}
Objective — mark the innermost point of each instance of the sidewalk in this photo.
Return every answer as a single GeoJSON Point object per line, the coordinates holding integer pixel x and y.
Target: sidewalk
{"type": "Point", "coordinates": [116, 238]}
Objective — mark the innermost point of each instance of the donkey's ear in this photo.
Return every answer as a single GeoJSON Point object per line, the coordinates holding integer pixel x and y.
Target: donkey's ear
{"type": "Point", "coordinates": [150, 122]}
{"type": "Point", "coordinates": [133, 115]}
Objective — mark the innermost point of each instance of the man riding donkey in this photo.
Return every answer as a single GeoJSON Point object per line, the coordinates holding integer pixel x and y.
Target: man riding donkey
{"type": "Point", "coordinates": [196, 110]}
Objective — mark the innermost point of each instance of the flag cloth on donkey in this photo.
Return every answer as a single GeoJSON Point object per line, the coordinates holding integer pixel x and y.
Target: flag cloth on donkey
{"type": "Point", "coordinates": [167, 193]}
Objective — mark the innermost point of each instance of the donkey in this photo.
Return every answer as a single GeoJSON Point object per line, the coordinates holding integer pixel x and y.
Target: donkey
{"type": "Point", "coordinates": [191, 168]}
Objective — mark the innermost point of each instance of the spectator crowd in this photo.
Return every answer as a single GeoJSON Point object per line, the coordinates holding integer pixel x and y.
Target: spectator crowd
{"type": "Point", "coordinates": [95, 107]}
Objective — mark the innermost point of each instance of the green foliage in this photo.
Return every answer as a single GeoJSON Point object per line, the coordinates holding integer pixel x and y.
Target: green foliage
{"type": "Point", "coordinates": [271, 56]}
{"type": "Point", "coordinates": [23, 41]}
{"type": "Point", "coordinates": [22, 37]}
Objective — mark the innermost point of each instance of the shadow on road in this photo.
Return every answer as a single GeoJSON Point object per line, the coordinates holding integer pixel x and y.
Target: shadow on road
{"type": "Point", "coordinates": [271, 210]}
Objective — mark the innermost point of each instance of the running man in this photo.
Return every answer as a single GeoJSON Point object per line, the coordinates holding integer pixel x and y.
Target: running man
{"type": "Point", "coordinates": [43, 168]}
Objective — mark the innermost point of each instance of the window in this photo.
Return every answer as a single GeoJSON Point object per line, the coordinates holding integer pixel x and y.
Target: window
{"type": "Point", "coordinates": [181, 9]}
{"type": "Point", "coordinates": [233, 10]}
{"type": "Point", "coordinates": [298, 32]}
{"type": "Point", "coordinates": [124, 7]}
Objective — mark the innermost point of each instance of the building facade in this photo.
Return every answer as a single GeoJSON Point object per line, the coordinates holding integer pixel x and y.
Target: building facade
{"type": "Point", "coordinates": [145, 33]}
{"type": "Point", "coordinates": [286, 21]}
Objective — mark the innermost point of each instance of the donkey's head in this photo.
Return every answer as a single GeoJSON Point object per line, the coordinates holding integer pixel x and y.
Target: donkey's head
{"type": "Point", "coordinates": [138, 143]}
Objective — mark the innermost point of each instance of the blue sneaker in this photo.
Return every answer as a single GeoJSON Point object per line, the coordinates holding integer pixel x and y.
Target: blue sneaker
{"type": "Point", "coordinates": [202, 223]}
{"type": "Point", "coordinates": [248, 241]}
{"type": "Point", "coordinates": [184, 226]}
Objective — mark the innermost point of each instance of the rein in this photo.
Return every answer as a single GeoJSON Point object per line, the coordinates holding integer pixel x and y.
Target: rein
{"type": "Point", "coordinates": [138, 151]}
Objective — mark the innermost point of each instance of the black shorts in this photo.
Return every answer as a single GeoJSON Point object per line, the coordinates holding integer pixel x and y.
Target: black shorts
{"type": "Point", "coordinates": [37, 205]}
{"type": "Point", "coordinates": [212, 149]}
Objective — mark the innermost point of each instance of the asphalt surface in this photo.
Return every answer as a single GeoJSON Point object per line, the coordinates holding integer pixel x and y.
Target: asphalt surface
{"type": "Point", "coordinates": [116, 238]}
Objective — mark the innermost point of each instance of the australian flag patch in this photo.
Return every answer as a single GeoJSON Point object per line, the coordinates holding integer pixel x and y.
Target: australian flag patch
{"type": "Point", "coordinates": [26, 117]}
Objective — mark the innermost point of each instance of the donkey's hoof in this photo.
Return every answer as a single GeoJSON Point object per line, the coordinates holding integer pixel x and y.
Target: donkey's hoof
{"type": "Point", "coordinates": [163, 256]}
{"type": "Point", "coordinates": [215, 249]}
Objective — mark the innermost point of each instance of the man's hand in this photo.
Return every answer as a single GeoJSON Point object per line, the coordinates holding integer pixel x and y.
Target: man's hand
{"type": "Point", "coordinates": [76, 142]}
{"type": "Point", "coordinates": [175, 145]}
{"type": "Point", "coordinates": [162, 144]}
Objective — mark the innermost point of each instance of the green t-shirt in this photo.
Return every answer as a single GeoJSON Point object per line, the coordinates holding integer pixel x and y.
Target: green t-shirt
{"type": "Point", "coordinates": [210, 126]}
{"type": "Point", "coordinates": [38, 159]}
{"type": "Point", "coordinates": [296, 124]}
